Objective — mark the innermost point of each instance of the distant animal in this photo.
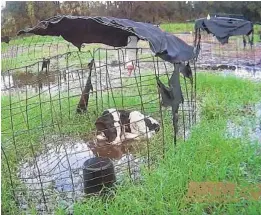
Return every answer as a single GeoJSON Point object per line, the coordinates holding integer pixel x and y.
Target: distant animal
{"type": "Point", "coordinates": [115, 126]}
{"type": "Point", "coordinates": [46, 64]}
{"type": "Point", "coordinates": [5, 39]}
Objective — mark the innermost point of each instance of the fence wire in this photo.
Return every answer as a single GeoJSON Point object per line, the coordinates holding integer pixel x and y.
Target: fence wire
{"type": "Point", "coordinates": [45, 142]}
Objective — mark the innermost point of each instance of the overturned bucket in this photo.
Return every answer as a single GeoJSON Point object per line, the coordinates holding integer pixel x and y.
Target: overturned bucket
{"type": "Point", "coordinates": [98, 172]}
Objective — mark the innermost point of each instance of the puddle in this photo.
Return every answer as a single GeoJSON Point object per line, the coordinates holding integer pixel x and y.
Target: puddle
{"type": "Point", "coordinates": [72, 79]}
{"type": "Point", "coordinates": [60, 165]}
{"type": "Point", "coordinates": [247, 126]}
{"type": "Point", "coordinates": [61, 78]}
{"type": "Point", "coordinates": [214, 56]}
{"type": "Point", "coordinates": [52, 81]}
{"type": "Point", "coordinates": [55, 82]}
{"type": "Point", "coordinates": [247, 72]}
{"type": "Point", "coordinates": [231, 59]}
{"type": "Point", "coordinates": [251, 73]}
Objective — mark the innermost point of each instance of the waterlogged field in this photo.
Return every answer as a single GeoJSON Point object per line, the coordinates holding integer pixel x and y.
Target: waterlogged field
{"type": "Point", "coordinates": [208, 155]}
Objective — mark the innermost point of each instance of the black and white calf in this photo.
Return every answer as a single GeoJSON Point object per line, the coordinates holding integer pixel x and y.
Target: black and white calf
{"type": "Point", "coordinates": [115, 126]}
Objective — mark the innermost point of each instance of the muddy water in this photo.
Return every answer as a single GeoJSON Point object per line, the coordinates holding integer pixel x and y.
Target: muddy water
{"type": "Point", "coordinates": [51, 81]}
{"type": "Point", "coordinates": [214, 55]}
{"type": "Point", "coordinates": [60, 165]}
{"type": "Point", "coordinates": [74, 81]}
{"type": "Point", "coordinates": [229, 59]}
{"type": "Point", "coordinates": [105, 75]}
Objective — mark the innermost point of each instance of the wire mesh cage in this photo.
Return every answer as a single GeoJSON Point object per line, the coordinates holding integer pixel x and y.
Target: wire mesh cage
{"type": "Point", "coordinates": [240, 56]}
{"type": "Point", "coordinates": [235, 56]}
{"type": "Point", "coordinates": [52, 96]}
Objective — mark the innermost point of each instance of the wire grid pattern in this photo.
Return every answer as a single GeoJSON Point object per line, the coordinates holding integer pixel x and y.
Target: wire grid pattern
{"type": "Point", "coordinates": [44, 141]}
{"type": "Point", "coordinates": [231, 56]}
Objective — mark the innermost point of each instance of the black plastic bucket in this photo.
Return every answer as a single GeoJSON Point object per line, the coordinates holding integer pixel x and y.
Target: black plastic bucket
{"type": "Point", "coordinates": [98, 172]}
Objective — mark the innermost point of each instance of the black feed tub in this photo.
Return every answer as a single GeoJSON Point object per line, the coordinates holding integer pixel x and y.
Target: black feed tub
{"type": "Point", "coordinates": [98, 172]}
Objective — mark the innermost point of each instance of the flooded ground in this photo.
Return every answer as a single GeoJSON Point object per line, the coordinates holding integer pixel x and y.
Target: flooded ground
{"type": "Point", "coordinates": [243, 63]}
{"type": "Point", "coordinates": [55, 175]}
{"type": "Point", "coordinates": [60, 164]}
{"type": "Point", "coordinates": [70, 72]}
{"type": "Point", "coordinates": [247, 127]}
{"type": "Point", "coordinates": [106, 73]}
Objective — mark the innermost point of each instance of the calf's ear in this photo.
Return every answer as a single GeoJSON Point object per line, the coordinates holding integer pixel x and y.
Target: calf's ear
{"type": "Point", "coordinates": [100, 125]}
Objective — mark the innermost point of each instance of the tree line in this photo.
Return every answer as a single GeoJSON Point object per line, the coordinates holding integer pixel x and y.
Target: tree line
{"type": "Point", "coordinates": [19, 15]}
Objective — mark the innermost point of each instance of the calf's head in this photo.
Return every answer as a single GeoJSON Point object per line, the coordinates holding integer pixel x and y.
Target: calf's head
{"type": "Point", "coordinates": [105, 124]}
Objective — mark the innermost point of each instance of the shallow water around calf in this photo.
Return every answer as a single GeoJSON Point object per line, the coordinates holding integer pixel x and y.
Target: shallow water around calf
{"type": "Point", "coordinates": [57, 173]}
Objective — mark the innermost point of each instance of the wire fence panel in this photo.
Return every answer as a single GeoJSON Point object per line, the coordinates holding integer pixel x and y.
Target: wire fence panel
{"type": "Point", "coordinates": [46, 139]}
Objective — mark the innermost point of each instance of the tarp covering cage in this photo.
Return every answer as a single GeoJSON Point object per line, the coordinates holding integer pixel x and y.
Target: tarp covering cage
{"type": "Point", "coordinates": [49, 133]}
{"type": "Point", "coordinates": [222, 28]}
{"type": "Point", "coordinates": [80, 29]}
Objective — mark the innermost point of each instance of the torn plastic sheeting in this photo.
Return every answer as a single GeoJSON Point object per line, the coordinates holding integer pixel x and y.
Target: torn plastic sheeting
{"type": "Point", "coordinates": [223, 28]}
{"type": "Point", "coordinates": [114, 32]}
{"type": "Point", "coordinates": [172, 96]}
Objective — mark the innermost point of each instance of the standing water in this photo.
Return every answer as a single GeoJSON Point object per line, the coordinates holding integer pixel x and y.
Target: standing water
{"type": "Point", "coordinates": [60, 168]}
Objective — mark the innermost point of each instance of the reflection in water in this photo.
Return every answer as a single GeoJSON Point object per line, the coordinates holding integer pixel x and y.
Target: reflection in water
{"type": "Point", "coordinates": [21, 80]}
{"type": "Point", "coordinates": [60, 166]}
{"type": "Point", "coordinates": [53, 82]}
{"type": "Point", "coordinates": [246, 72]}
{"type": "Point", "coordinates": [64, 81]}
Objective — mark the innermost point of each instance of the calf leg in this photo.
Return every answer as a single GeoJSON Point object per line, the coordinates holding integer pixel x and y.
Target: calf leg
{"type": "Point", "coordinates": [131, 136]}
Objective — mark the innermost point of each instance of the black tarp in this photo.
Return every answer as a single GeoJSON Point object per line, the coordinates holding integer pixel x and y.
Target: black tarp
{"type": "Point", "coordinates": [172, 97]}
{"type": "Point", "coordinates": [114, 32]}
{"type": "Point", "coordinates": [224, 27]}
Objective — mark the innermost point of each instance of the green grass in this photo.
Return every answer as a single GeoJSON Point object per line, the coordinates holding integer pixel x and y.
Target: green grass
{"type": "Point", "coordinates": [257, 32]}
{"type": "Point", "coordinates": [177, 27]}
{"type": "Point", "coordinates": [26, 51]}
{"type": "Point", "coordinates": [206, 156]}
{"type": "Point", "coordinates": [223, 96]}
